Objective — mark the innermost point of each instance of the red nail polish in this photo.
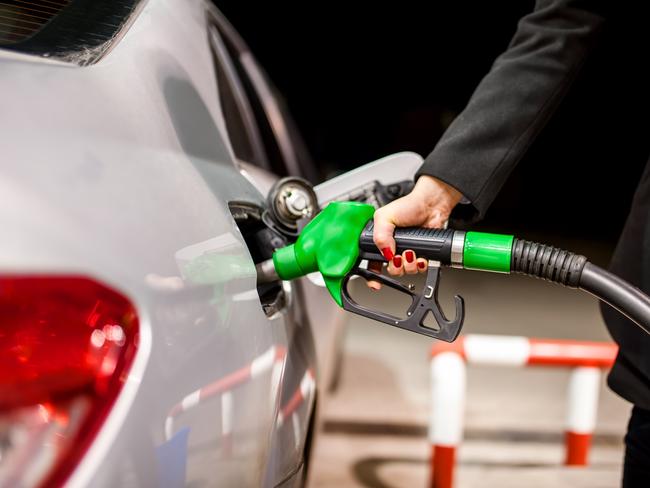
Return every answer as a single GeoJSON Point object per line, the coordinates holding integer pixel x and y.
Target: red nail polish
{"type": "Point", "coordinates": [388, 254]}
{"type": "Point", "coordinates": [422, 265]}
{"type": "Point", "coordinates": [410, 256]}
{"type": "Point", "coordinates": [397, 261]}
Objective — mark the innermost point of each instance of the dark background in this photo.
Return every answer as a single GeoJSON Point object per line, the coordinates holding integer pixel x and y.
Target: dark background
{"type": "Point", "coordinates": [363, 81]}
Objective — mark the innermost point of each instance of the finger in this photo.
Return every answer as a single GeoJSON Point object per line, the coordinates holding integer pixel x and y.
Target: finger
{"type": "Point", "coordinates": [410, 266]}
{"type": "Point", "coordinates": [422, 265]}
{"type": "Point", "coordinates": [375, 267]}
{"type": "Point", "coordinates": [383, 234]}
{"type": "Point", "coordinates": [395, 267]}
{"type": "Point", "coordinates": [373, 285]}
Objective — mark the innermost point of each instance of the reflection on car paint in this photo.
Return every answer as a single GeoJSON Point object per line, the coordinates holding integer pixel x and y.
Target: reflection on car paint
{"type": "Point", "coordinates": [273, 359]}
{"type": "Point", "coordinates": [218, 262]}
{"type": "Point", "coordinates": [302, 395]}
{"type": "Point", "coordinates": [210, 261]}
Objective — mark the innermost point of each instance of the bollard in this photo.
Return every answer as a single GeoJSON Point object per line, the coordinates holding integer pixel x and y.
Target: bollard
{"type": "Point", "coordinates": [448, 383]}
{"type": "Point", "coordinates": [447, 411]}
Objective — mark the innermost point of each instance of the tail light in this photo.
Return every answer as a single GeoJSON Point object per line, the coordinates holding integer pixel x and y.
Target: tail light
{"type": "Point", "coordinates": [66, 345]}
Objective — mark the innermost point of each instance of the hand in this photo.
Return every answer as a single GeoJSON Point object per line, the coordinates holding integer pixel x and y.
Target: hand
{"type": "Point", "coordinates": [428, 205]}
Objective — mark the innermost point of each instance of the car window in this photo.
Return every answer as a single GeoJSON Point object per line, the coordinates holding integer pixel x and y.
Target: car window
{"type": "Point", "coordinates": [286, 152]}
{"type": "Point", "coordinates": [243, 132]}
{"type": "Point", "coordinates": [78, 31]}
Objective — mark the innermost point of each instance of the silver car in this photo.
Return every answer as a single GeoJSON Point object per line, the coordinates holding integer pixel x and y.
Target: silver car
{"type": "Point", "coordinates": [139, 141]}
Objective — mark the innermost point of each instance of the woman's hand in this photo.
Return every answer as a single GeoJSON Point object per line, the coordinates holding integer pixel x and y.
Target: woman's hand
{"type": "Point", "coordinates": [428, 205]}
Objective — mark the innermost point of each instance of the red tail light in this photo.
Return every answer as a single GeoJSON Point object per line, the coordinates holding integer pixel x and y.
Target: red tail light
{"type": "Point", "coordinates": [66, 345]}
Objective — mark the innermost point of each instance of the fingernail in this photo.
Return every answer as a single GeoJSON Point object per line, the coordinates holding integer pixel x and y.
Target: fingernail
{"type": "Point", "coordinates": [397, 261]}
{"type": "Point", "coordinates": [410, 256]}
{"type": "Point", "coordinates": [422, 265]}
{"type": "Point", "coordinates": [388, 253]}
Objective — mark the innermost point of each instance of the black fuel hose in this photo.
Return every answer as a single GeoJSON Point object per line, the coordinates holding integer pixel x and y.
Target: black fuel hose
{"type": "Point", "coordinates": [574, 271]}
{"type": "Point", "coordinates": [619, 294]}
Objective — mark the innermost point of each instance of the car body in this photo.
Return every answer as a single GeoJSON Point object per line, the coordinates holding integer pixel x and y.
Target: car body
{"type": "Point", "coordinates": [119, 166]}
{"type": "Point", "coordinates": [139, 141]}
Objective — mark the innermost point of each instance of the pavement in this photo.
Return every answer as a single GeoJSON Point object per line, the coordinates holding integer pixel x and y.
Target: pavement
{"type": "Point", "coordinates": [373, 425]}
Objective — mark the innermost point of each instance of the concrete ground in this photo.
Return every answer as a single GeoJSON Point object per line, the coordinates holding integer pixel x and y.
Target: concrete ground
{"type": "Point", "coordinates": [374, 424]}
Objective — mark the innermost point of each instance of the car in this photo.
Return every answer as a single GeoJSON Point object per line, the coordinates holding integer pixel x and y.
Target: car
{"type": "Point", "coordinates": [141, 142]}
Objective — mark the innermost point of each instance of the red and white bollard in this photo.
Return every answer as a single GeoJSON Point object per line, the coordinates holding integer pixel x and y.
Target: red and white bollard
{"type": "Point", "coordinates": [447, 411]}
{"type": "Point", "coordinates": [582, 405]}
{"type": "Point", "coordinates": [448, 384]}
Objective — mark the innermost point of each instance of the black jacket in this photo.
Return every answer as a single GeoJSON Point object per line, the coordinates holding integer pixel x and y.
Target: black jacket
{"type": "Point", "coordinates": [509, 109]}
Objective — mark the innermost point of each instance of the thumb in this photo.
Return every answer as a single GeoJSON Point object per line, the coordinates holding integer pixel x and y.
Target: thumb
{"type": "Point", "coordinates": [383, 234]}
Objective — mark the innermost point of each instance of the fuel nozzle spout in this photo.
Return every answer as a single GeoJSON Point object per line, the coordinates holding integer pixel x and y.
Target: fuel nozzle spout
{"type": "Point", "coordinates": [266, 272]}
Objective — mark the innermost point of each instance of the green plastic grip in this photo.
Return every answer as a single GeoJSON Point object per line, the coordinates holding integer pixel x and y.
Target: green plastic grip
{"type": "Point", "coordinates": [329, 244]}
{"type": "Point", "coordinates": [487, 252]}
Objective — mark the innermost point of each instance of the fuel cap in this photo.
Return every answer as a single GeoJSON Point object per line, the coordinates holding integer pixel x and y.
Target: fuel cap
{"type": "Point", "coordinates": [292, 203]}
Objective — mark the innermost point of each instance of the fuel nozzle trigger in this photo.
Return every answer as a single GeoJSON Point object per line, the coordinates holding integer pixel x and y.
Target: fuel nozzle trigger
{"type": "Point", "coordinates": [422, 304]}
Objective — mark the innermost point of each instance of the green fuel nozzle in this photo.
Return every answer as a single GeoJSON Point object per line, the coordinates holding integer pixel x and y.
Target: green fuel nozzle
{"type": "Point", "coordinates": [334, 240]}
{"type": "Point", "coordinates": [329, 244]}
{"type": "Point", "coordinates": [340, 237]}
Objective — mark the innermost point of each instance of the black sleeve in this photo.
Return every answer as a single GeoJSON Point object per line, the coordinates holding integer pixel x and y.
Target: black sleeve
{"type": "Point", "coordinates": [516, 98]}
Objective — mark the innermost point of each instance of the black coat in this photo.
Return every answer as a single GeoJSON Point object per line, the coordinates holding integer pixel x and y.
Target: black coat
{"type": "Point", "coordinates": [509, 109]}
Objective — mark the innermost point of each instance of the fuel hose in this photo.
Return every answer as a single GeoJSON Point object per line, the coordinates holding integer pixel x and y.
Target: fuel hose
{"type": "Point", "coordinates": [341, 235]}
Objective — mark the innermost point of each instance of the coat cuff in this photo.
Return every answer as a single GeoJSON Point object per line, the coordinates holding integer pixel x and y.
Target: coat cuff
{"type": "Point", "coordinates": [467, 211]}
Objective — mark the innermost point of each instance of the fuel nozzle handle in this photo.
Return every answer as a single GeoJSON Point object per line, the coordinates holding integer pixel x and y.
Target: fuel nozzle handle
{"type": "Point", "coordinates": [455, 248]}
{"type": "Point", "coordinates": [444, 245]}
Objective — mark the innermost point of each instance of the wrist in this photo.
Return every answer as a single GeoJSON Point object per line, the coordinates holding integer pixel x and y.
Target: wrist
{"type": "Point", "coordinates": [431, 188]}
